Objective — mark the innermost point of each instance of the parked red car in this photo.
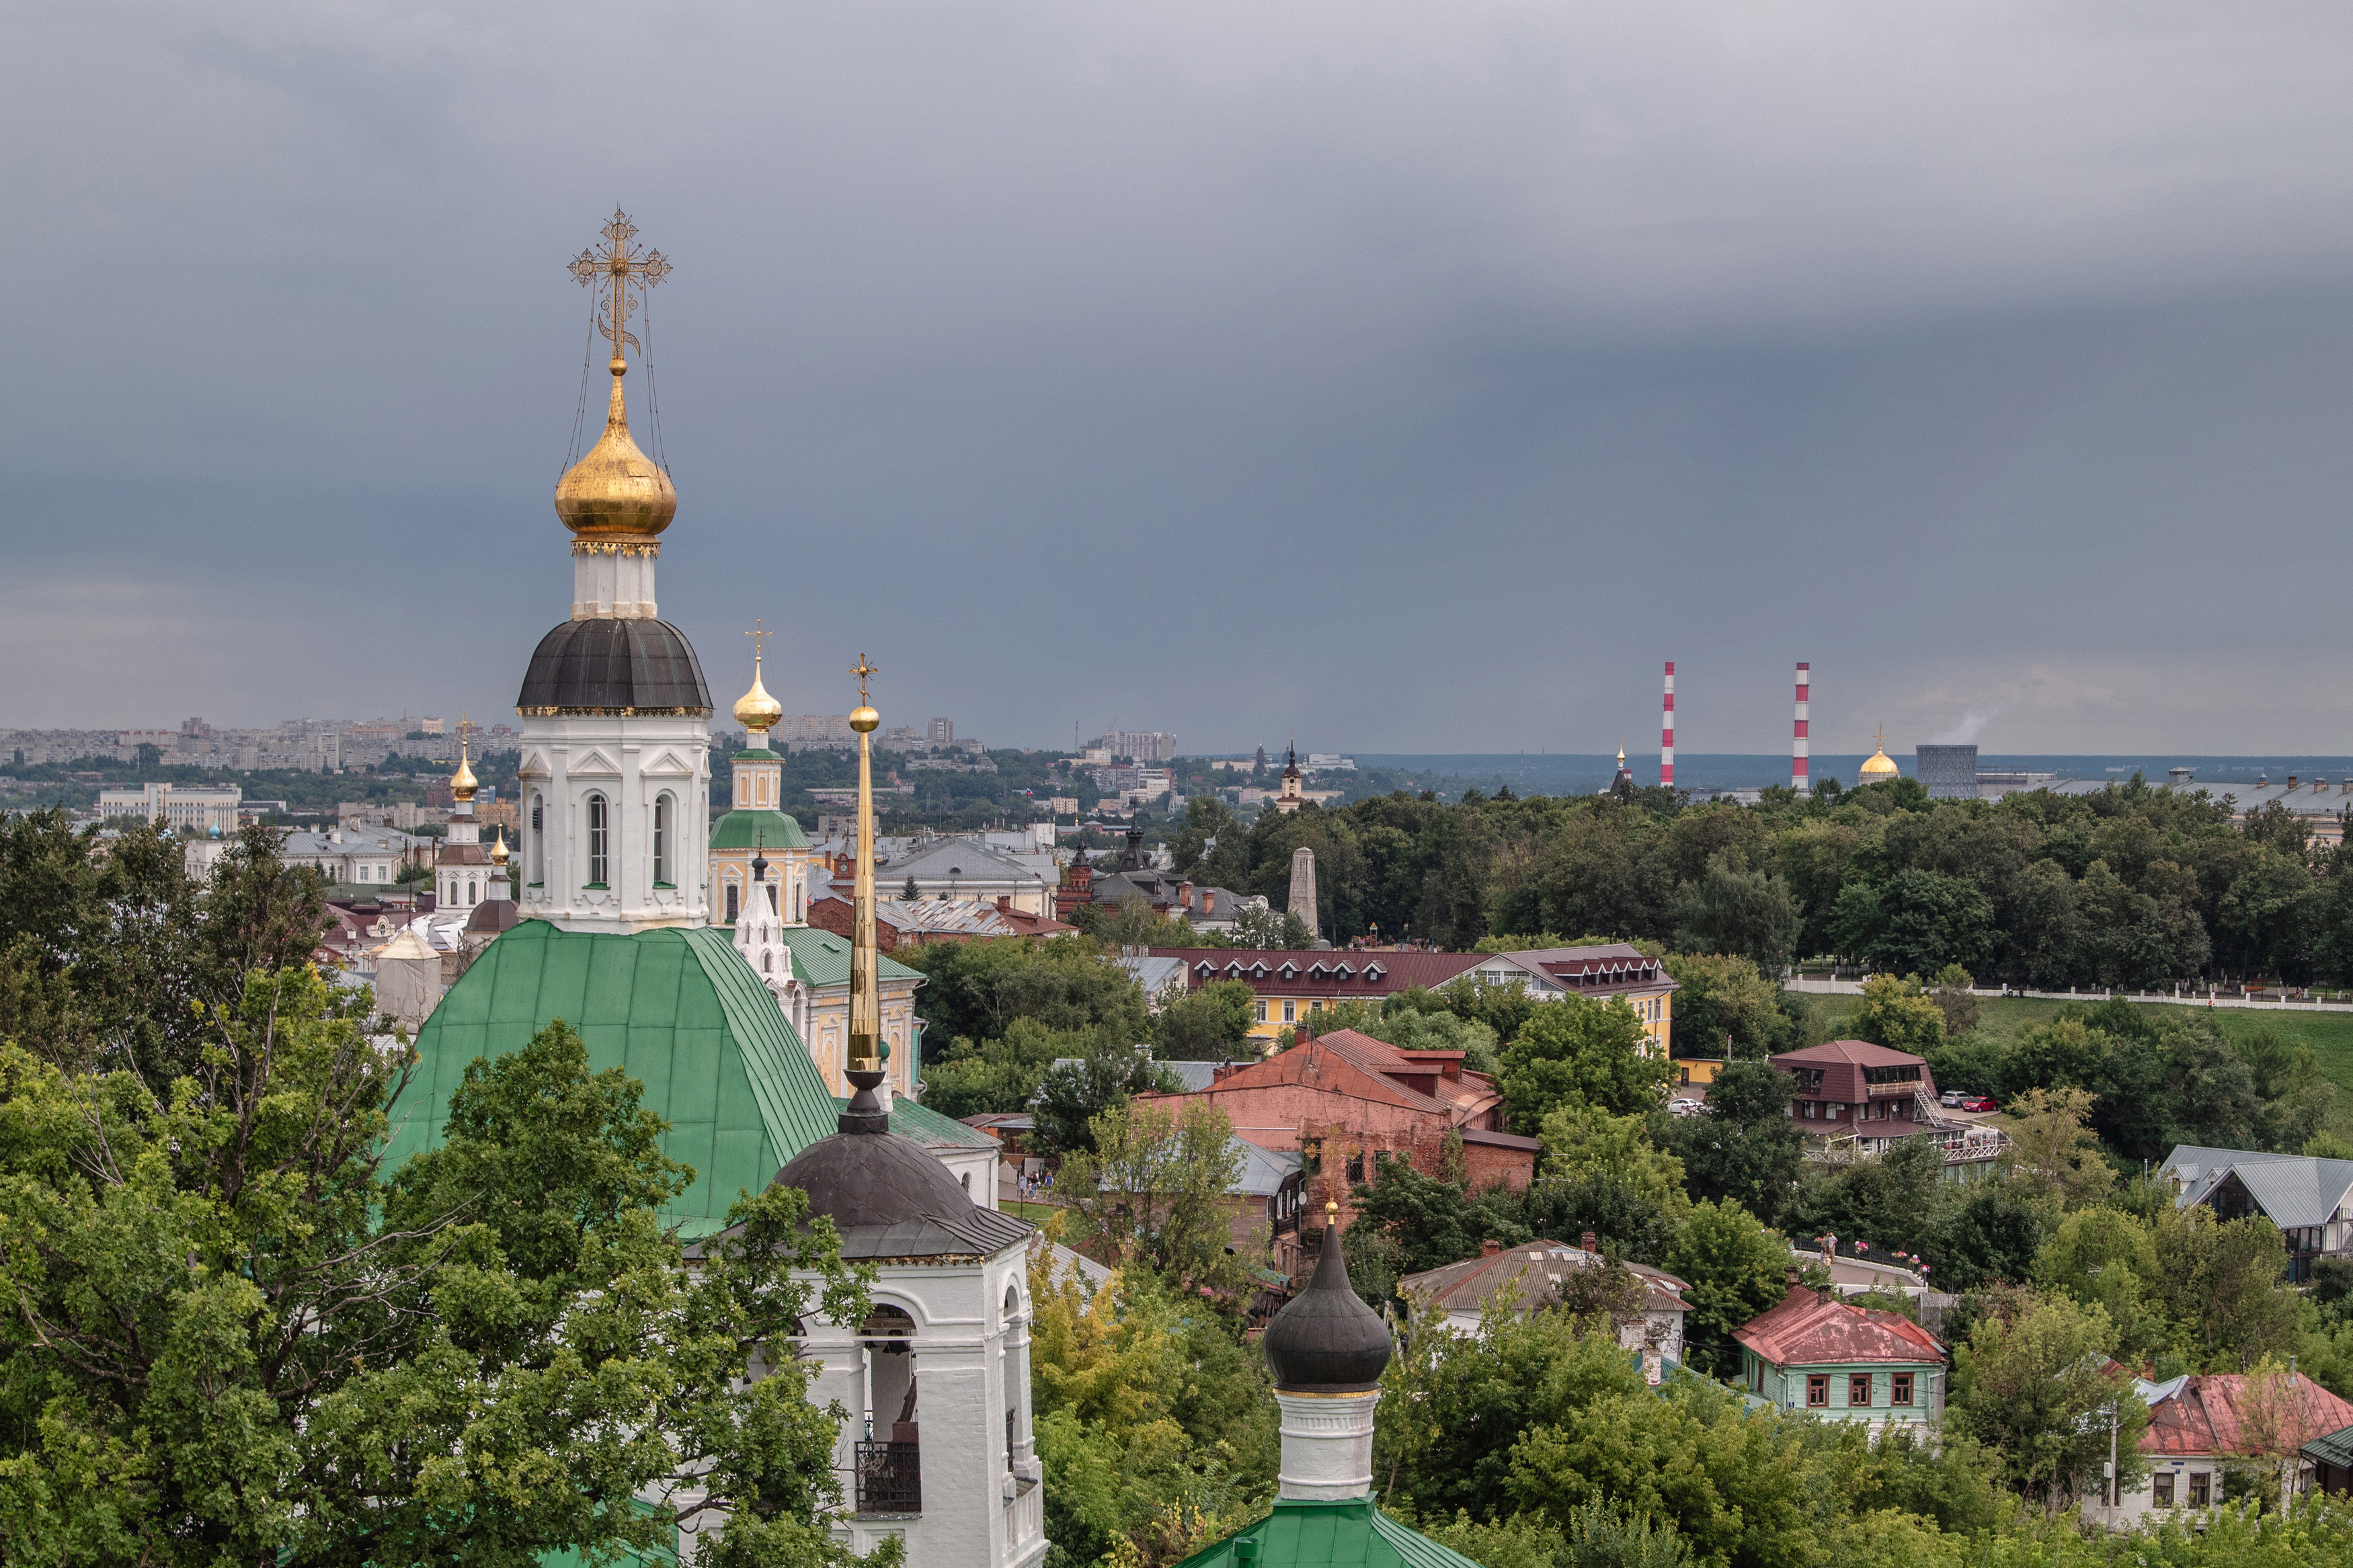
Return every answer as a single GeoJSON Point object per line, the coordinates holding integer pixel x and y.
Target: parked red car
{"type": "Point", "coordinates": [1977, 1102]}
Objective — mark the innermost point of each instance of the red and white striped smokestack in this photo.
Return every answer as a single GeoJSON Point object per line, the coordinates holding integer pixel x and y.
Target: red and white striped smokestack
{"type": "Point", "coordinates": [1667, 732]}
{"type": "Point", "coordinates": [1798, 780]}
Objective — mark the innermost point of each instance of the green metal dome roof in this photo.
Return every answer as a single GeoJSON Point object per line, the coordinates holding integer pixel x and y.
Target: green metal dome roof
{"type": "Point", "coordinates": [745, 829]}
{"type": "Point", "coordinates": [1352, 1531]}
{"type": "Point", "coordinates": [678, 1010]}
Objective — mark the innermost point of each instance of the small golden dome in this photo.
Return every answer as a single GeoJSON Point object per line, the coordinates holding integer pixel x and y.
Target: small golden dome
{"type": "Point", "coordinates": [499, 848]}
{"type": "Point", "coordinates": [615, 491]}
{"type": "Point", "coordinates": [864, 720]}
{"type": "Point", "coordinates": [1880, 767]}
{"type": "Point", "coordinates": [462, 783]}
{"type": "Point", "coordinates": [755, 710]}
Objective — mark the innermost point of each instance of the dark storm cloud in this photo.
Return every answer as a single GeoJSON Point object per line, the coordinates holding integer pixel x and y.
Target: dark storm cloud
{"type": "Point", "coordinates": [1415, 377]}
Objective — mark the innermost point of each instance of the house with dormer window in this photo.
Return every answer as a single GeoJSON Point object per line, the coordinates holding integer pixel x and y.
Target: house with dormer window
{"type": "Point", "coordinates": [1293, 987]}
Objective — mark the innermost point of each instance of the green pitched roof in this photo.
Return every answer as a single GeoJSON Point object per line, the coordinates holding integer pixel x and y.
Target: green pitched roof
{"type": "Point", "coordinates": [751, 829]}
{"type": "Point", "coordinates": [822, 958]}
{"type": "Point", "coordinates": [1342, 1534]}
{"type": "Point", "coordinates": [759, 754]}
{"type": "Point", "coordinates": [2328, 1448]}
{"type": "Point", "coordinates": [678, 1010]}
{"type": "Point", "coordinates": [930, 1129]}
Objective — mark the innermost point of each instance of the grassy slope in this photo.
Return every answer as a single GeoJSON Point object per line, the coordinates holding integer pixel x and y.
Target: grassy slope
{"type": "Point", "coordinates": [2331, 1035]}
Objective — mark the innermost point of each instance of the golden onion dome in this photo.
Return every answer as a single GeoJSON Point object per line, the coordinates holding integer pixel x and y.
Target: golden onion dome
{"type": "Point", "coordinates": [864, 720]}
{"type": "Point", "coordinates": [462, 783]}
{"type": "Point", "coordinates": [615, 491]}
{"type": "Point", "coordinates": [1880, 767]}
{"type": "Point", "coordinates": [499, 848]}
{"type": "Point", "coordinates": [755, 710]}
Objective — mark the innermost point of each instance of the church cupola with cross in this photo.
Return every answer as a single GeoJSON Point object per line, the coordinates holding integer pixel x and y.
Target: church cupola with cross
{"type": "Point", "coordinates": [461, 867]}
{"type": "Point", "coordinates": [757, 826]}
{"type": "Point", "coordinates": [615, 783]}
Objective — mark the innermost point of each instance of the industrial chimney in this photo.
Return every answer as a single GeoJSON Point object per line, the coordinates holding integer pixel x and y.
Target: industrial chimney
{"type": "Point", "coordinates": [1798, 780]}
{"type": "Point", "coordinates": [1667, 732]}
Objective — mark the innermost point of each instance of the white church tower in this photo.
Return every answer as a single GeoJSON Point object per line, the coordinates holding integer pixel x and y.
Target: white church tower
{"type": "Point", "coordinates": [616, 775]}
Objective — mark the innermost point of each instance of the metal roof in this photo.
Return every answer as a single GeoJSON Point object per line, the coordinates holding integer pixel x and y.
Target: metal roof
{"type": "Point", "coordinates": [748, 829]}
{"type": "Point", "coordinates": [2291, 1189]}
{"type": "Point", "coordinates": [1804, 1331]}
{"type": "Point", "coordinates": [929, 1127]}
{"type": "Point", "coordinates": [1352, 1532]}
{"type": "Point", "coordinates": [2331, 1448]}
{"type": "Point", "coordinates": [678, 1010]}
{"type": "Point", "coordinates": [822, 958]}
{"type": "Point", "coordinates": [611, 662]}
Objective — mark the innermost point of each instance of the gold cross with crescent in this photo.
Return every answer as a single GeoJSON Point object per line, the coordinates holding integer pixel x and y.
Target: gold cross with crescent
{"type": "Point", "coordinates": [863, 671]}
{"type": "Point", "coordinates": [611, 270]}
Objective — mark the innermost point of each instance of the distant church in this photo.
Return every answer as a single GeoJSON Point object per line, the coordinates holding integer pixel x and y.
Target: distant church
{"type": "Point", "coordinates": [679, 950]}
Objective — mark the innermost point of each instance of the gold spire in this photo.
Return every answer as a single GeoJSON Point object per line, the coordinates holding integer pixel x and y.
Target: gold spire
{"type": "Point", "coordinates": [755, 710]}
{"type": "Point", "coordinates": [1879, 767]}
{"type": "Point", "coordinates": [616, 492]}
{"type": "Point", "coordinates": [865, 1010]}
{"type": "Point", "coordinates": [499, 848]}
{"type": "Point", "coordinates": [462, 783]}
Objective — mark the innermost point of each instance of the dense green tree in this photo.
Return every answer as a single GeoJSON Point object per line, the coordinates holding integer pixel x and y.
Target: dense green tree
{"type": "Point", "coordinates": [1153, 1188]}
{"type": "Point", "coordinates": [1737, 1270]}
{"type": "Point", "coordinates": [1915, 921]}
{"type": "Point", "coordinates": [1725, 1007]}
{"type": "Point", "coordinates": [235, 1341]}
{"type": "Point", "coordinates": [976, 989]}
{"type": "Point", "coordinates": [107, 950]}
{"type": "Point", "coordinates": [1751, 914]}
{"type": "Point", "coordinates": [1210, 1025]}
{"type": "Point", "coordinates": [2034, 1381]}
{"type": "Point", "coordinates": [1745, 1147]}
{"type": "Point", "coordinates": [1076, 1091]}
{"type": "Point", "coordinates": [1898, 1015]}
{"type": "Point", "coordinates": [1580, 1051]}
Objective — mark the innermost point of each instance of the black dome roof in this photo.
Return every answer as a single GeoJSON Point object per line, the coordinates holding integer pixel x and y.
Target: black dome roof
{"type": "Point", "coordinates": [614, 663]}
{"type": "Point", "coordinates": [1326, 1340]}
{"type": "Point", "coordinates": [890, 1198]}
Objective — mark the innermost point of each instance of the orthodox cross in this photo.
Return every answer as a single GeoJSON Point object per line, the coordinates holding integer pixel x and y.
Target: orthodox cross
{"type": "Point", "coordinates": [464, 725]}
{"type": "Point", "coordinates": [611, 268]}
{"type": "Point", "coordinates": [863, 671]}
{"type": "Point", "coordinates": [757, 637]}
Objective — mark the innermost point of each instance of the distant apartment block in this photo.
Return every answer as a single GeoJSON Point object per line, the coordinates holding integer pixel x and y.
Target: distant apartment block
{"type": "Point", "coordinates": [192, 810]}
{"type": "Point", "coordinates": [1141, 745]}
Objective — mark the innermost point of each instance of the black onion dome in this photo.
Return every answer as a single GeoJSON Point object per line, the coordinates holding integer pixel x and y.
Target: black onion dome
{"type": "Point", "coordinates": [615, 662]}
{"type": "Point", "coordinates": [890, 1198]}
{"type": "Point", "coordinates": [1326, 1340]}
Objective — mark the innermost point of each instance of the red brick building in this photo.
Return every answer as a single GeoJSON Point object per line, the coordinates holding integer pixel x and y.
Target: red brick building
{"type": "Point", "coordinates": [1345, 1098]}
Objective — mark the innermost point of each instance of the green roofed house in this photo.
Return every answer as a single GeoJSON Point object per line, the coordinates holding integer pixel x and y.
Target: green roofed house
{"type": "Point", "coordinates": [1326, 1350]}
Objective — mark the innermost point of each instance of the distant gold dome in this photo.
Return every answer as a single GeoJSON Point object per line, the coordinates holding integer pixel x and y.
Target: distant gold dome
{"type": "Point", "coordinates": [755, 710]}
{"type": "Point", "coordinates": [462, 783]}
{"type": "Point", "coordinates": [864, 720]}
{"type": "Point", "coordinates": [499, 848]}
{"type": "Point", "coordinates": [615, 491]}
{"type": "Point", "coordinates": [1879, 769]}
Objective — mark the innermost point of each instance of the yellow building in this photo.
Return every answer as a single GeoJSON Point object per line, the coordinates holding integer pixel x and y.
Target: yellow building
{"type": "Point", "coordinates": [1615, 969]}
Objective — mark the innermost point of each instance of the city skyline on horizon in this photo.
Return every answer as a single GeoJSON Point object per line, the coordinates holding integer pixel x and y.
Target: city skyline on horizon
{"type": "Point", "coordinates": [1454, 374]}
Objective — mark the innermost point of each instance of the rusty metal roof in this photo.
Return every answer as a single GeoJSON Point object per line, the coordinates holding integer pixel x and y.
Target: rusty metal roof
{"type": "Point", "coordinates": [2210, 1414]}
{"type": "Point", "coordinates": [1806, 1331]}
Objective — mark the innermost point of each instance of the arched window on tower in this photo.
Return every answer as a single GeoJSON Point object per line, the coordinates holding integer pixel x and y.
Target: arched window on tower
{"type": "Point", "coordinates": [599, 844]}
{"type": "Point", "coordinates": [733, 892]}
{"type": "Point", "coordinates": [661, 840]}
{"type": "Point", "coordinates": [536, 865]}
{"type": "Point", "coordinates": [767, 964]}
{"type": "Point", "coordinates": [471, 899]}
{"type": "Point", "coordinates": [772, 897]}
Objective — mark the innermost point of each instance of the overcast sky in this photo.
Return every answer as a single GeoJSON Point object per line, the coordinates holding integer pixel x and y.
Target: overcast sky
{"type": "Point", "coordinates": [1412, 377]}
